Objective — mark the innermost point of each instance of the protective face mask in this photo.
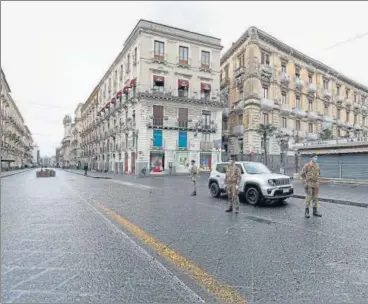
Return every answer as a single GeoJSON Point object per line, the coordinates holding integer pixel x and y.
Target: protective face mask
{"type": "Point", "coordinates": [316, 159]}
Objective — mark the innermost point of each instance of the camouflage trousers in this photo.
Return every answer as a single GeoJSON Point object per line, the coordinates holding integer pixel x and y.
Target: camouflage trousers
{"type": "Point", "coordinates": [194, 181]}
{"type": "Point", "coordinates": [233, 196]}
{"type": "Point", "coordinates": [312, 192]}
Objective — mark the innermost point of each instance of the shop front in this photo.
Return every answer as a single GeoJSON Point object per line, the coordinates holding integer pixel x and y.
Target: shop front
{"type": "Point", "coordinates": [205, 161]}
{"type": "Point", "coordinates": [182, 162]}
{"type": "Point", "coordinates": [157, 162]}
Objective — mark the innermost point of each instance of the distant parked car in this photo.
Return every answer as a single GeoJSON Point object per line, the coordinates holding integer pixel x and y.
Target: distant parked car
{"type": "Point", "coordinates": [258, 183]}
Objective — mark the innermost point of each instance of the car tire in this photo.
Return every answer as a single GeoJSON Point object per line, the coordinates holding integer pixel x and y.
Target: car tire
{"type": "Point", "coordinates": [215, 190]}
{"type": "Point", "coordinates": [253, 196]}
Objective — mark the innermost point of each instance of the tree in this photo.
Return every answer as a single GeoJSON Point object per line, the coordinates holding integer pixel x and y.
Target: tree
{"type": "Point", "coordinates": [326, 134]}
{"type": "Point", "coordinates": [265, 131]}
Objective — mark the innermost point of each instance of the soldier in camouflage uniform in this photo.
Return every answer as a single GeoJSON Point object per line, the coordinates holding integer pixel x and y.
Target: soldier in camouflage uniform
{"type": "Point", "coordinates": [310, 175]}
{"type": "Point", "coordinates": [233, 177]}
{"type": "Point", "coordinates": [194, 175]}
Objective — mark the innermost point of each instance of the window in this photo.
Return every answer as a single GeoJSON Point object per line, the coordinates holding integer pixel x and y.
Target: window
{"type": "Point", "coordinates": [158, 115]}
{"type": "Point", "coordinates": [128, 64]}
{"type": "Point", "coordinates": [183, 118]}
{"type": "Point", "coordinates": [284, 122]}
{"type": "Point", "coordinates": [347, 91]}
{"type": "Point", "coordinates": [355, 119]}
{"type": "Point", "coordinates": [310, 106]}
{"type": "Point", "coordinates": [240, 119]}
{"type": "Point", "coordinates": [205, 59]}
{"type": "Point", "coordinates": [121, 72]}
{"type": "Point", "coordinates": [297, 125]}
{"type": "Point", "coordinates": [135, 56]}
{"type": "Point", "coordinates": [297, 75]}
{"type": "Point", "coordinates": [241, 61]}
{"type": "Point", "coordinates": [183, 87]}
{"type": "Point", "coordinates": [109, 87]}
{"type": "Point", "coordinates": [265, 92]}
{"type": "Point", "coordinates": [226, 72]}
{"type": "Point", "coordinates": [337, 90]}
{"type": "Point", "coordinates": [326, 110]}
{"type": "Point", "coordinates": [338, 132]}
{"type": "Point", "coordinates": [325, 84]}
{"type": "Point", "coordinates": [347, 116]}
{"type": "Point", "coordinates": [222, 168]}
{"type": "Point", "coordinates": [265, 118]}
{"type": "Point", "coordinates": [206, 119]}
{"type": "Point", "coordinates": [265, 58]}
{"type": "Point", "coordinates": [115, 80]}
{"type": "Point", "coordinates": [183, 55]}
{"type": "Point", "coordinates": [159, 50]}
{"type": "Point", "coordinates": [283, 68]}
{"type": "Point", "coordinates": [310, 128]}
{"type": "Point", "coordinates": [297, 103]}
{"type": "Point", "coordinates": [310, 79]}
{"type": "Point", "coordinates": [338, 113]}
{"type": "Point", "coordinates": [158, 84]}
{"type": "Point", "coordinates": [205, 91]}
{"type": "Point", "coordinates": [283, 98]}
{"type": "Point", "coordinates": [355, 97]}
{"type": "Point", "coordinates": [133, 116]}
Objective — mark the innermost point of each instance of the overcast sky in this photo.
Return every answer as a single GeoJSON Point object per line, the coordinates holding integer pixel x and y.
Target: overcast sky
{"type": "Point", "coordinates": [54, 53]}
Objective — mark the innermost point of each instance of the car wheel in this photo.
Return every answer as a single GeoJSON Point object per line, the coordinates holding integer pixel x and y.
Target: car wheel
{"type": "Point", "coordinates": [215, 190]}
{"type": "Point", "coordinates": [252, 196]}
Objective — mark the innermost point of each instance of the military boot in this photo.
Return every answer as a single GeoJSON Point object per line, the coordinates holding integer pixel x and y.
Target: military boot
{"type": "Point", "coordinates": [236, 210]}
{"type": "Point", "coordinates": [316, 213]}
{"type": "Point", "coordinates": [194, 193]}
{"type": "Point", "coordinates": [230, 209]}
{"type": "Point", "coordinates": [307, 213]}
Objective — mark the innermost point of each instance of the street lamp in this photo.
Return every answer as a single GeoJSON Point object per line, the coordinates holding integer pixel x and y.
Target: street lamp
{"type": "Point", "coordinates": [283, 142]}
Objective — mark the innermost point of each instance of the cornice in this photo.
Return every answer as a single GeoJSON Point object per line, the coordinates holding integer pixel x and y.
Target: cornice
{"type": "Point", "coordinates": [263, 36]}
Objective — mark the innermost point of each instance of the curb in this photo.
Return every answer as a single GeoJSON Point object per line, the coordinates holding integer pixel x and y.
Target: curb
{"type": "Point", "coordinates": [336, 201]}
{"type": "Point", "coordinates": [15, 173]}
{"type": "Point", "coordinates": [90, 176]}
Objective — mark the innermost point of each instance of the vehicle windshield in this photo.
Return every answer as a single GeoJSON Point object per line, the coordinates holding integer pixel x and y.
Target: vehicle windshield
{"type": "Point", "coordinates": [256, 168]}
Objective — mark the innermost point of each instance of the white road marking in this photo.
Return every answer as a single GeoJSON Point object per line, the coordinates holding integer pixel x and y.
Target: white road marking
{"type": "Point", "coordinates": [129, 184]}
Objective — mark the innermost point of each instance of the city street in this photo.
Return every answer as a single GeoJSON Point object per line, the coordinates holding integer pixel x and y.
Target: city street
{"type": "Point", "coordinates": [72, 239]}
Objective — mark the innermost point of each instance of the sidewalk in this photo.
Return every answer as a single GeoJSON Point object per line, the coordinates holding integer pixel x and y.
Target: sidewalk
{"type": "Point", "coordinates": [90, 174]}
{"type": "Point", "coordinates": [13, 172]}
{"type": "Point", "coordinates": [345, 194]}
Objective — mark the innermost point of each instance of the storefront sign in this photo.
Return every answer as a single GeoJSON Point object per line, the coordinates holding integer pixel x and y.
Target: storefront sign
{"type": "Point", "coordinates": [332, 142]}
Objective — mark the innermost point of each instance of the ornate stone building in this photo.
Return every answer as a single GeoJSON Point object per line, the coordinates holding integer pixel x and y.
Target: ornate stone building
{"type": "Point", "coordinates": [158, 106]}
{"type": "Point", "coordinates": [16, 139]}
{"type": "Point", "coordinates": [65, 150]}
{"type": "Point", "coordinates": [75, 150]}
{"type": "Point", "coordinates": [268, 82]}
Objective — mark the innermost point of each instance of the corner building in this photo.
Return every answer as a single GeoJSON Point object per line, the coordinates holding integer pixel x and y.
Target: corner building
{"type": "Point", "coordinates": [267, 82]}
{"type": "Point", "coordinates": [158, 106]}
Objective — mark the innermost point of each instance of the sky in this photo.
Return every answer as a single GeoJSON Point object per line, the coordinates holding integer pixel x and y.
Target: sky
{"type": "Point", "coordinates": [54, 53]}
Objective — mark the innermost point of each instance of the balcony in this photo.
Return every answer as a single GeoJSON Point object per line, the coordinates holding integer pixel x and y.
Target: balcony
{"type": "Point", "coordinates": [348, 102]}
{"type": "Point", "coordinates": [326, 94]}
{"type": "Point", "coordinates": [183, 124]}
{"type": "Point", "coordinates": [205, 67]}
{"type": "Point", "coordinates": [299, 113]}
{"type": "Point", "coordinates": [206, 145]}
{"type": "Point", "coordinates": [286, 131]}
{"type": "Point", "coordinates": [357, 127]}
{"type": "Point", "coordinates": [301, 134]}
{"type": "Point", "coordinates": [312, 136]}
{"type": "Point", "coordinates": [239, 106]}
{"type": "Point", "coordinates": [312, 115]}
{"type": "Point", "coordinates": [286, 109]}
{"type": "Point", "coordinates": [340, 123]}
{"type": "Point", "coordinates": [356, 106]}
{"type": "Point", "coordinates": [239, 71]}
{"type": "Point", "coordinates": [267, 104]}
{"type": "Point", "coordinates": [238, 130]}
{"type": "Point", "coordinates": [312, 88]}
{"type": "Point", "coordinates": [349, 125]}
{"type": "Point", "coordinates": [299, 84]}
{"type": "Point", "coordinates": [158, 57]}
{"type": "Point", "coordinates": [328, 119]}
{"type": "Point", "coordinates": [184, 62]}
{"type": "Point", "coordinates": [339, 99]}
{"type": "Point", "coordinates": [285, 79]}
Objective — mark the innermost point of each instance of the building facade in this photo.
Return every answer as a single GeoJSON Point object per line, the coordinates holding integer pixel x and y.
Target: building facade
{"type": "Point", "coordinates": [267, 82]}
{"type": "Point", "coordinates": [65, 149]}
{"type": "Point", "coordinates": [16, 139]}
{"type": "Point", "coordinates": [75, 151]}
{"type": "Point", "coordinates": [158, 106]}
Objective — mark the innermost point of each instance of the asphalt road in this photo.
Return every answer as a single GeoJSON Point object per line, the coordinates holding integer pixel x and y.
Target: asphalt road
{"type": "Point", "coordinates": [73, 239]}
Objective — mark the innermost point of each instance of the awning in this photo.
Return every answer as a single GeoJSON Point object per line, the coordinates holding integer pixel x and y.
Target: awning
{"type": "Point", "coordinates": [157, 78]}
{"type": "Point", "coordinates": [183, 83]}
{"type": "Point", "coordinates": [132, 83]}
{"type": "Point", "coordinates": [125, 90]}
{"type": "Point", "coordinates": [113, 100]}
{"type": "Point", "coordinates": [205, 86]}
{"type": "Point", "coordinates": [119, 93]}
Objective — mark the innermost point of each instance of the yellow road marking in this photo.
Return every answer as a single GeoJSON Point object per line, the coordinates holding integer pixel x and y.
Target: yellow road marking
{"type": "Point", "coordinates": [224, 293]}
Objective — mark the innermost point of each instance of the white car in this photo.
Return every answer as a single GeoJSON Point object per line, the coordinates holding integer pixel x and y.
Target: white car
{"type": "Point", "coordinates": [257, 183]}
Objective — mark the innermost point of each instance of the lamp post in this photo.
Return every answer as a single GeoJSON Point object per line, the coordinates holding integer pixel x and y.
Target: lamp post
{"type": "Point", "coordinates": [283, 142]}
